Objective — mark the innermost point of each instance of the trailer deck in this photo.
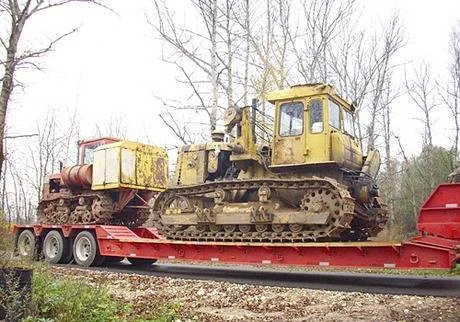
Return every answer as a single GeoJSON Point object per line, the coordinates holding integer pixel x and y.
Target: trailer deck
{"type": "Point", "coordinates": [436, 247]}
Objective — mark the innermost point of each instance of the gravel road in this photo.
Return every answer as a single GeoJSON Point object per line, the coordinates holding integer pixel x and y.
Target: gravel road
{"type": "Point", "coordinates": [223, 301]}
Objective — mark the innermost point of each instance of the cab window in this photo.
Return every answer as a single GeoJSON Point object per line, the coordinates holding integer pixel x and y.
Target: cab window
{"type": "Point", "coordinates": [348, 123]}
{"type": "Point", "coordinates": [291, 119]}
{"type": "Point", "coordinates": [334, 115]}
{"type": "Point", "coordinates": [89, 151]}
{"type": "Point", "coordinates": [316, 116]}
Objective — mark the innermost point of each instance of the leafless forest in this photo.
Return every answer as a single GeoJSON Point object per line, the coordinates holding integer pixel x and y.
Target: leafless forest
{"type": "Point", "coordinates": [238, 50]}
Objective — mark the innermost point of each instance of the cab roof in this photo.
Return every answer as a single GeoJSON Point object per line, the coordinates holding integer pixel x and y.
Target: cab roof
{"type": "Point", "coordinates": [306, 90]}
{"type": "Point", "coordinates": [102, 138]}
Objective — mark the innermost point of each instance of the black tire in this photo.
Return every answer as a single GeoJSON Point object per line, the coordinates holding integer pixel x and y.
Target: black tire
{"type": "Point", "coordinates": [26, 245]}
{"type": "Point", "coordinates": [113, 259]}
{"type": "Point", "coordinates": [86, 251]}
{"type": "Point", "coordinates": [141, 261]}
{"type": "Point", "coordinates": [56, 248]}
{"type": "Point", "coordinates": [68, 254]}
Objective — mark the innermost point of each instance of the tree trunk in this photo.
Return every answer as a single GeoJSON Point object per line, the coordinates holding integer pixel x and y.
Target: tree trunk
{"type": "Point", "coordinates": [214, 67]}
{"type": "Point", "coordinates": [8, 78]}
{"type": "Point", "coordinates": [246, 57]}
{"type": "Point", "coordinates": [229, 57]}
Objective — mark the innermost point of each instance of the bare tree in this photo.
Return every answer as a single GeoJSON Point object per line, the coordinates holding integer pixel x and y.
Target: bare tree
{"type": "Point", "coordinates": [31, 157]}
{"type": "Point", "coordinates": [450, 93]}
{"type": "Point", "coordinates": [229, 42]}
{"type": "Point", "coordinates": [115, 127]}
{"type": "Point", "coordinates": [362, 62]}
{"type": "Point", "coordinates": [421, 90]}
{"type": "Point", "coordinates": [57, 138]}
{"type": "Point", "coordinates": [247, 31]}
{"type": "Point", "coordinates": [210, 7]}
{"type": "Point", "coordinates": [393, 40]}
{"type": "Point", "coordinates": [18, 13]}
{"type": "Point", "coordinates": [322, 21]}
{"type": "Point", "coordinates": [203, 53]}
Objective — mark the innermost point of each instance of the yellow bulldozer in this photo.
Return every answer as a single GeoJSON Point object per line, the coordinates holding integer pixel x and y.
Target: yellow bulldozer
{"type": "Point", "coordinates": [310, 182]}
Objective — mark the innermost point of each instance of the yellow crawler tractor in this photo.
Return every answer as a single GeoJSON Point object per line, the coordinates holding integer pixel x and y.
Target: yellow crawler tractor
{"type": "Point", "coordinates": [311, 182]}
{"type": "Point", "coordinates": [113, 184]}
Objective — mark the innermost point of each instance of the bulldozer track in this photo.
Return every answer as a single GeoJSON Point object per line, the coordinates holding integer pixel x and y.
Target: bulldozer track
{"type": "Point", "coordinates": [98, 209]}
{"type": "Point", "coordinates": [339, 221]}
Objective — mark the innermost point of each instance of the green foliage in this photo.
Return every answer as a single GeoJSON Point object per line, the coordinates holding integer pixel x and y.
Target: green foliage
{"type": "Point", "coordinates": [67, 300]}
{"type": "Point", "coordinates": [423, 173]}
{"type": "Point", "coordinates": [13, 298]}
{"type": "Point", "coordinates": [62, 299]}
{"type": "Point", "coordinates": [168, 313]}
{"type": "Point", "coordinates": [406, 186]}
{"type": "Point", "coordinates": [6, 241]}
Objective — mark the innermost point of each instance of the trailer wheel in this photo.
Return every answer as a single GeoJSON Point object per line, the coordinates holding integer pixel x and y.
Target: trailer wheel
{"type": "Point", "coordinates": [86, 251]}
{"type": "Point", "coordinates": [56, 248]}
{"type": "Point", "coordinates": [26, 244]}
{"type": "Point", "coordinates": [141, 261]}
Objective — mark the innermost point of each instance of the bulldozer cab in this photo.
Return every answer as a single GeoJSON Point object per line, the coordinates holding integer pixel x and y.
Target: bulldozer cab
{"type": "Point", "coordinates": [86, 148]}
{"type": "Point", "coordinates": [313, 126]}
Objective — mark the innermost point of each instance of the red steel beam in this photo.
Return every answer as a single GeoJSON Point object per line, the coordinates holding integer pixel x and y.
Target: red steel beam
{"type": "Point", "coordinates": [420, 252]}
{"type": "Point", "coordinates": [423, 252]}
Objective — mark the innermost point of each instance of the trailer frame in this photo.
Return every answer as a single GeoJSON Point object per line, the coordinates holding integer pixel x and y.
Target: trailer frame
{"type": "Point", "coordinates": [436, 247]}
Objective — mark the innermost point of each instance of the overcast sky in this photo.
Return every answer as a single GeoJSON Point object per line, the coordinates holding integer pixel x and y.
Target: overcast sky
{"type": "Point", "coordinates": [113, 66]}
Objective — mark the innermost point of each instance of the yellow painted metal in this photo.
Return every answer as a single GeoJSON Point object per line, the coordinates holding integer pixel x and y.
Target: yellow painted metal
{"type": "Point", "coordinates": [196, 161]}
{"type": "Point", "coordinates": [319, 143]}
{"type": "Point", "coordinates": [190, 167]}
{"type": "Point", "coordinates": [289, 149]}
{"type": "Point", "coordinates": [128, 164]}
{"type": "Point", "coordinates": [317, 148]}
{"type": "Point", "coordinates": [372, 164]}
{"type": "Point", "coordinates": [345, 151]}
{"type": "Point", "coordinates": [247, 139]}
{"type": "Point", "coordinates": [306, 90]}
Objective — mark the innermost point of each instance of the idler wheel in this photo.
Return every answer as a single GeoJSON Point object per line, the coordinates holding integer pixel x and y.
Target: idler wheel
{"type": "Point", "coordinates": [74, 217]}
{"type": "Point", "coordinates": [295, 228]}
{"type": "Point", "coordinates": [261, 228]}
{"type": "Point", "coordinates": [244, 228]}
{"type": "Point", "coordinates": [214, 228]}
{"type": "Point", "coordinates": [278, 228]}
{"type": "Point", "coordinates": [63, 217]}
{"type": "Point", "coordinates": [86, 217]}
{"type": "Point", "coordinates": [229, 228]}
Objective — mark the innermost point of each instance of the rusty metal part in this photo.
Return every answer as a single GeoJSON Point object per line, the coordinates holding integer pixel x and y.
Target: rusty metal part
{"type": "Point", "coordinates": [90, 208]}
{"type": "Point", "coordinates": [78, 176]}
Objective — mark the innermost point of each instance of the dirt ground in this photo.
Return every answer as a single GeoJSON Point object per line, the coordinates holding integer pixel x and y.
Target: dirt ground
{"type": "Point", "coordinates": [223, 301]}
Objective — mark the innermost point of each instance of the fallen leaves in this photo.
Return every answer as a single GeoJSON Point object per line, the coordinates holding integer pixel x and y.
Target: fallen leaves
{"type": "Point", "coordinates": [223, 301]}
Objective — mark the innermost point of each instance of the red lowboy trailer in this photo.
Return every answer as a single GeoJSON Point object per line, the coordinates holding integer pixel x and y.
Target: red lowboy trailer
{"type": "Point", "coordinates": [436, 247]}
